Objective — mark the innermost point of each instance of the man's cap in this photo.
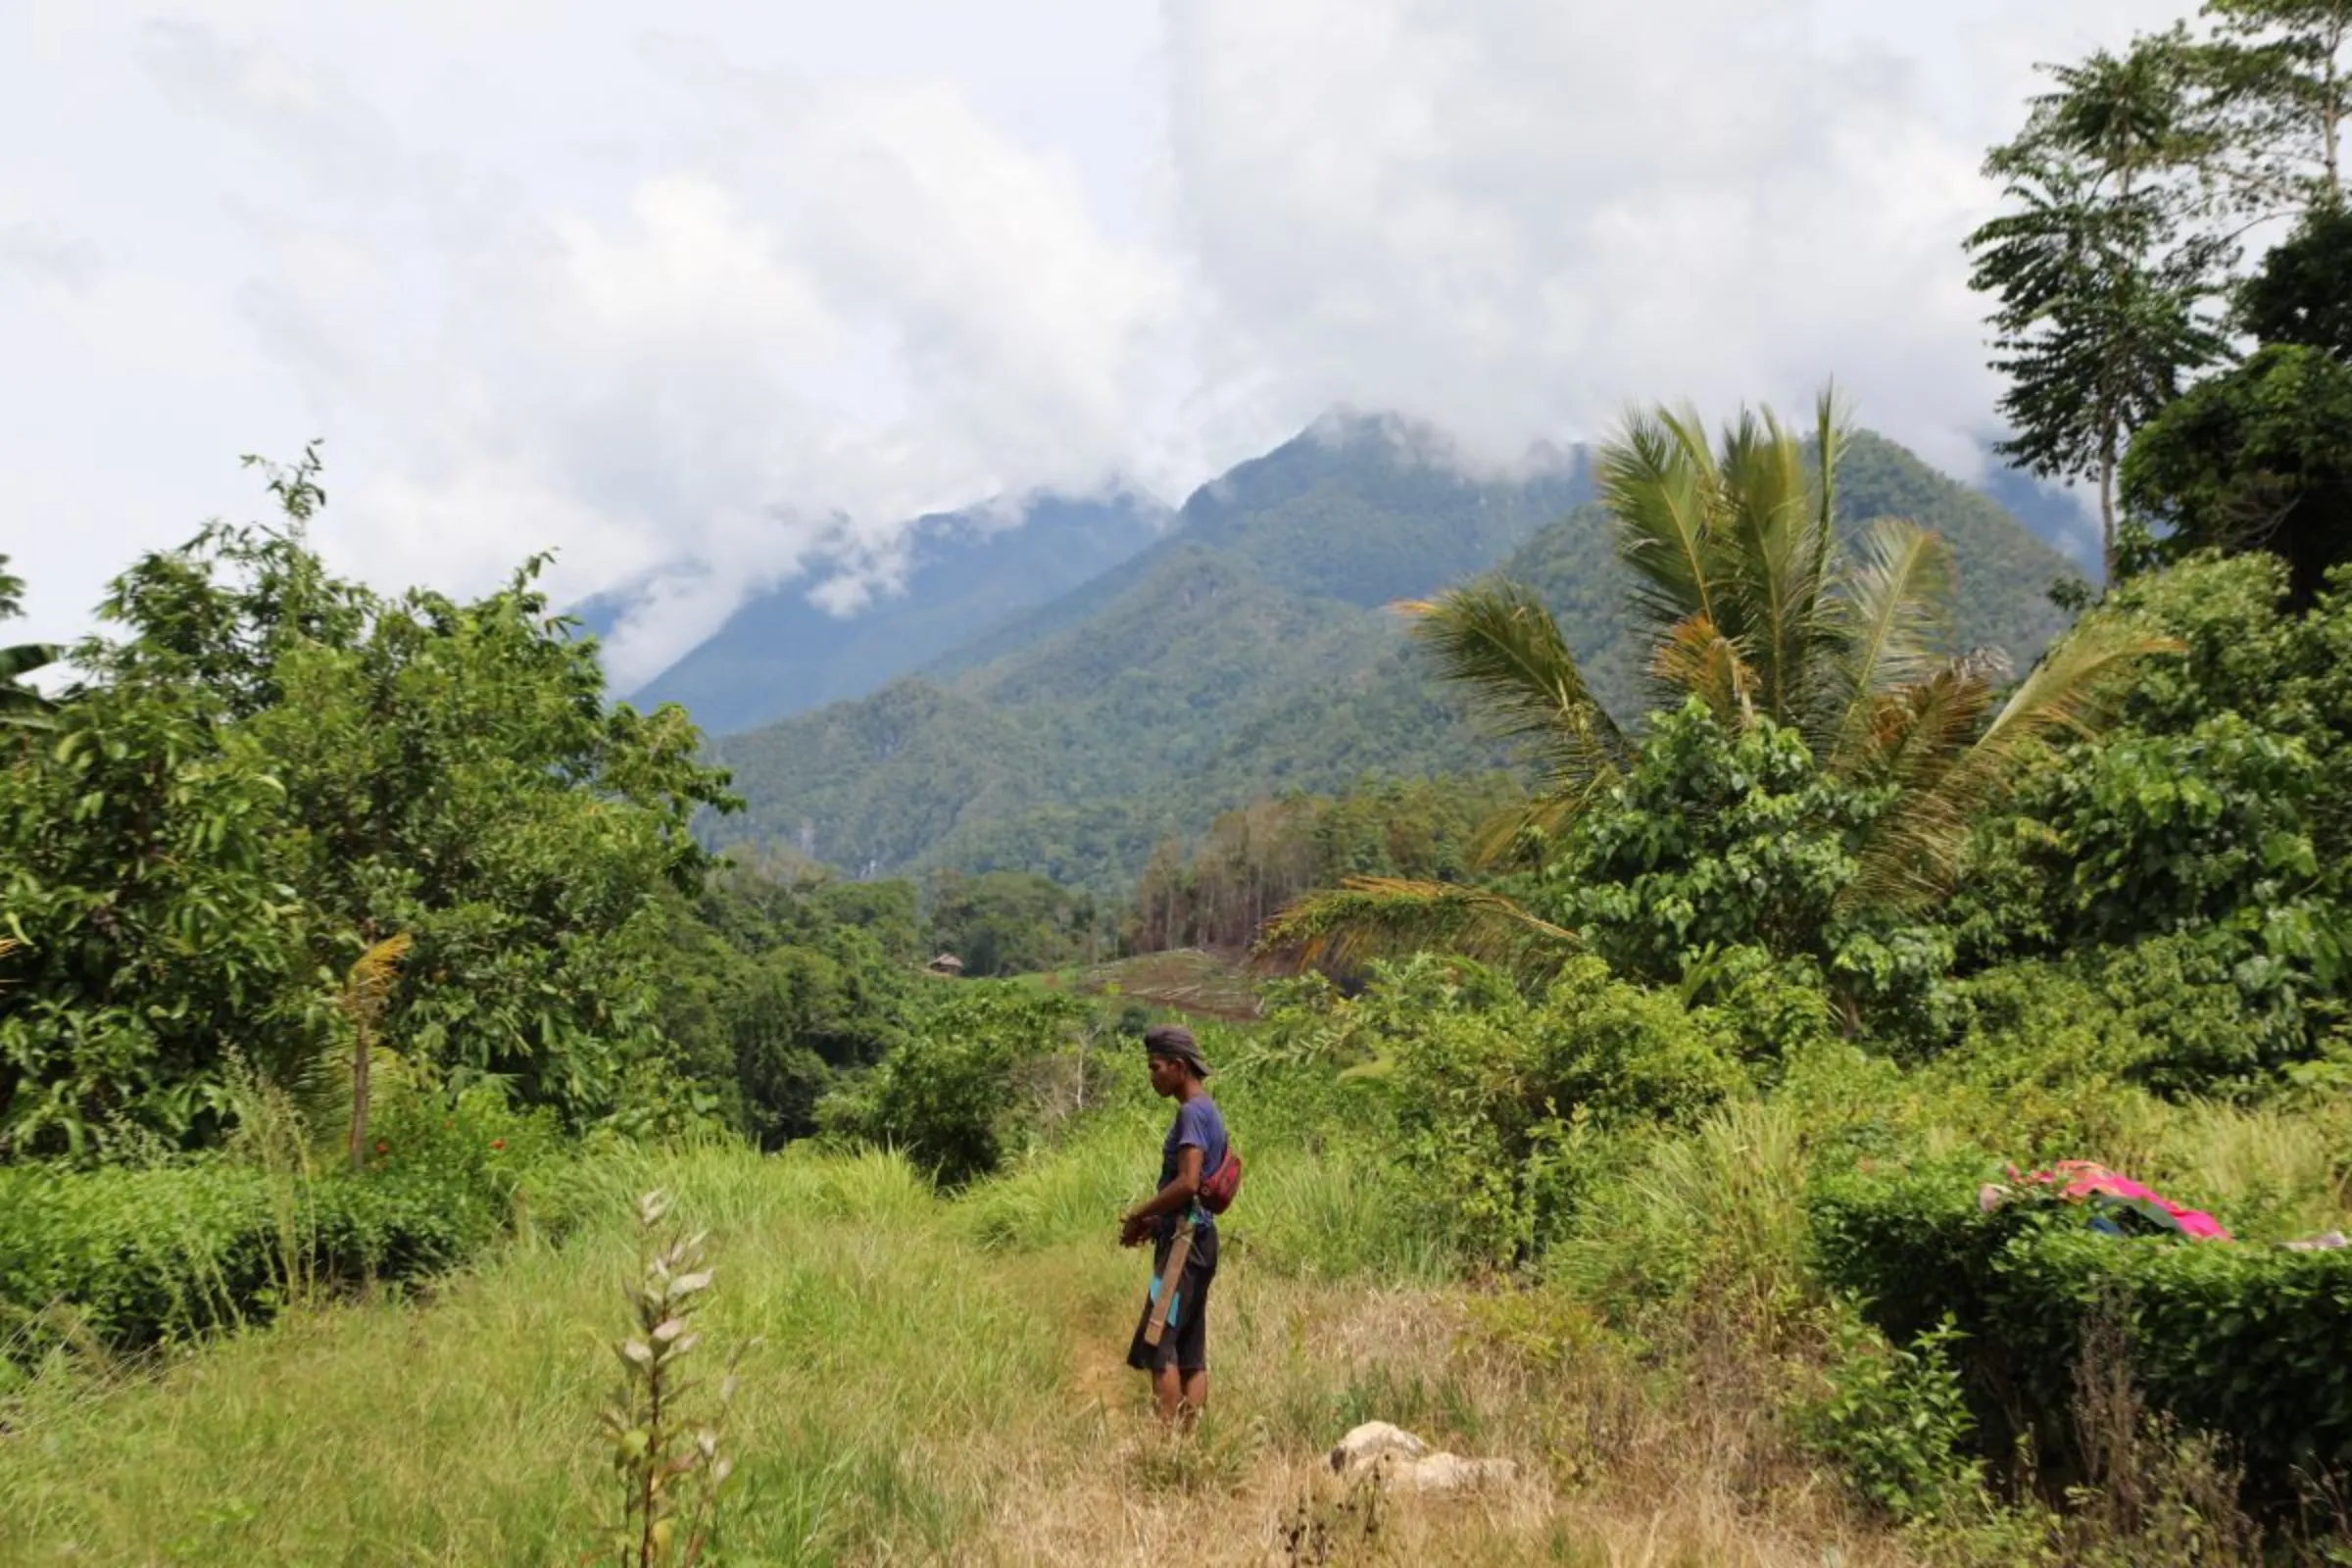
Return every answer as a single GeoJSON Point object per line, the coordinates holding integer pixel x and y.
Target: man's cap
{"type": "Point", "coordinates": [1175, 1041]}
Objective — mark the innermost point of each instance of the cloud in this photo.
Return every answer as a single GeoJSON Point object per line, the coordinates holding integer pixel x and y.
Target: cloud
{"type": "Point", "coordinates": [1514, 218]}
{"type": "Point", "coordinates": [723, 307]}
{"type": "Point", "coordinates": [42, 258]}
{"type": "Point", "coordinates": [825, 309]}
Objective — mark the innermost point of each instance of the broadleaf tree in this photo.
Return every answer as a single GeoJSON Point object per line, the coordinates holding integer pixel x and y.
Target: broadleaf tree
{"type": "Point", "coordinates": [265, 770]}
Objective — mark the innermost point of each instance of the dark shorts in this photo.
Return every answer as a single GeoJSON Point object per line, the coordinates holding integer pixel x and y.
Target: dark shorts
{"type": "Point", "coordinates": [1184, 1343]}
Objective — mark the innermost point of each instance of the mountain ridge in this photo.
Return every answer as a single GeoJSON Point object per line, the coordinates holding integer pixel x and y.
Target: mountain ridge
{"type": "Point", "coordinates": [1252, 656]}
{"type": "Point", "coordinates": [781, 653]}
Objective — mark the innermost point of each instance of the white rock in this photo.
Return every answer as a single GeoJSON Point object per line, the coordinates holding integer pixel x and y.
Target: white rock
{"type": "Point", "coordinates": [1370, 1442]}
{"type": "Point", "coordinates": [1451, 1473]}
{"type": "Point", "coordinates": [1403, 1462]}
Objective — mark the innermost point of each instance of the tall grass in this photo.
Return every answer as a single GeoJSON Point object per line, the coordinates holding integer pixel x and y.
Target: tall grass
{"type": "Point", "coordinates": [1336, 1212]}
{"type": "Point", "coordinates": [936, 1380]}
{"type": "Point", "coordinates": [1711, 1218]}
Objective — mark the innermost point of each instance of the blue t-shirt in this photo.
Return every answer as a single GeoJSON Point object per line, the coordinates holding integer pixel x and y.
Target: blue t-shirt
{"type": "Point", "coordinates": [1201, 1125]}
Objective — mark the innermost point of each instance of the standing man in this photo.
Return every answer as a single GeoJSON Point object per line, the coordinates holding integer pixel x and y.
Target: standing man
{"type": "Point", "coordinates": [1196, 1146]}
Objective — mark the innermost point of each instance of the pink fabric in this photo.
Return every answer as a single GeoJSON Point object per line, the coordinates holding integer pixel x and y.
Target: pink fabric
{"type": "Point", "coordinates": [2084, 1178]}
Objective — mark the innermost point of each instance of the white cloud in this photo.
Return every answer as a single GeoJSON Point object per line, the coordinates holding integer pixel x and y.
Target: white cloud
{"type": "Point", "coordinates": [711, 308]}
{"type": "Point", "coordinates": [1514, 218]}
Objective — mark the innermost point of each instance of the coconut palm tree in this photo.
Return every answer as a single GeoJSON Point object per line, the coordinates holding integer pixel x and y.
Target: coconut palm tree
{"type": "Point", "coordinates": [1755, 609]}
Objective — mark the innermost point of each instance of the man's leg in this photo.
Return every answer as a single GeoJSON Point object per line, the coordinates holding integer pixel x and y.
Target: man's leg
{"type": "Point", "coordinates": [1183, 1395]}
{"type": "Point", "coordinates": [1169, 1385]}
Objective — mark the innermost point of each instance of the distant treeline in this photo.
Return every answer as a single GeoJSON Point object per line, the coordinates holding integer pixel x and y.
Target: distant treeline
{"type": "Point", "coordinates": [1255, 860]}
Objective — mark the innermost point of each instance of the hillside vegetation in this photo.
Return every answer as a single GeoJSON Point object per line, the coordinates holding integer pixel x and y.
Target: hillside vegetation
{"type": "Point", "coordinates": [1251, 653]}
{"type": "Point", "coordinates": [1843, 1098]}
{"type": "Point", "coordinates": [783, 654]}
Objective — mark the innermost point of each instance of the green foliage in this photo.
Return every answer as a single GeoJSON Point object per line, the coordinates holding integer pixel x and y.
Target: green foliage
{"type": "Point", "coordinates": [2278, 71]}
{"type": "Point", "coordinates": [1507, 1107]}
{"type": "Point", "coordinates": [20, 707]}
{"type": "Point", "coordinates": [1913, 1244]}
{"type": "Point", "coordinates": [1895, 1420]}
{"type": "Point", "coordinates": [1010, 923]}
{"type": "Point", "coordinates": [2243, 1341]}
{"type": "Point", "coordinates": [2163, 1013]}
{"type": "Point", "coordinates": [2129, 188]}
{"type": "Point", "coordinates": [2171, 831]}
{"type": "Point", "coordinates": [987, 1066]}
{"type": "Point", "coordinates": [2214, 817]}
{"type": "Point", "coordinates": [1798, 670]}
{"type": "Point", "coordinates": [1697, 1231]}
{"type": "Point", "coordinates": [128, 1256]}
{"type": "Point", "coordinates": [2259, 457]}
{"type": "Point", "coordinates": [2103, 289]}
{"type": "Point", "coordinates": [2302, 293]}
{"type": "Point", "coordinates": [2238, 1340]}
{"type": "Point", "coordinates": [269, 770]}
{"type": "Point", "coordinates": [1719, 841]}
{"type": "Point", "coordinates": [772, 990]}
{"type": "Point", "coordinates": [1256, 860]}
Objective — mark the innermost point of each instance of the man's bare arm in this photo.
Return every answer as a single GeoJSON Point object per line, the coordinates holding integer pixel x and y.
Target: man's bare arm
{"type": "Point", "coordinates": [1175, 1196]}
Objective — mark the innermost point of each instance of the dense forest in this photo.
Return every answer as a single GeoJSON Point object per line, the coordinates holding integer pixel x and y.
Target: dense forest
{"type": "Point", "coordinates": [1749, 992]}
{"type": "Point", "coordinates": [1251, 653]}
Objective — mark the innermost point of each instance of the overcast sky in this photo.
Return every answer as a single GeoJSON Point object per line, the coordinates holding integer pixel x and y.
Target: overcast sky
{"type": "Point", "coordinates": [688, 291]}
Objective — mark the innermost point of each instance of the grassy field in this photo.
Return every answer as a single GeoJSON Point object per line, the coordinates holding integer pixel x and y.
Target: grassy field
{"type": "Point", "coordinates": [926, 1379]}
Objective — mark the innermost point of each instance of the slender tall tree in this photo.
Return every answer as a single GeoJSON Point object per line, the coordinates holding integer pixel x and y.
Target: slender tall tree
{"type": "Point", "coordinates": [2104, 288]}
{"type": "Point", "coordinates": [2280, 73]}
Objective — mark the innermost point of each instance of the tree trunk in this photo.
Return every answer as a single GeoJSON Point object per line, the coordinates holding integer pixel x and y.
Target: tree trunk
{"type": "Point", "coordinates": [359, 1096]}
{"type": "Point", "coordinates": [2107, 516]}
{"type": "Point", "coordinates": [2331, 121]}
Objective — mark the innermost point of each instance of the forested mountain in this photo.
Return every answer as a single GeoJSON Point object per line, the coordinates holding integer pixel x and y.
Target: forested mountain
{"type": "Point", "coordinates": [1357, 510]}
{"type": "Point", "coordinates": [781, 655]}
{"type": "Point", "coordinates": [1249, 652]}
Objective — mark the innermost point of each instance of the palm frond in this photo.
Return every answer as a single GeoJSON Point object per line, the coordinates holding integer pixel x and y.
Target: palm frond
{"type": "Point", "coordinates": [1832, 430]}
{"type": "Point", "coordinates": [1897, 604]}
{"type": "Point", "coordinates": [1914, 738]}
{"type": "Point", "coordinates": [1697, 659]}
{"type": "Point", "coordinates": [1368, 917]}
{"type": "Point", "coordinates": [1915, 848]}
{"type": "Point", "coordinates": [1660, 483]}
{"type": "Point", "coordinates": [1497, 639]}
{"type": "Point", "coordinates": [1773, 558]}
{"type": "Point", "coordinates": [1918, 732]}
{"type": "Point", "coordinates": [20, 707]}
{"type": "Point", "coordinates": [1499, 840]}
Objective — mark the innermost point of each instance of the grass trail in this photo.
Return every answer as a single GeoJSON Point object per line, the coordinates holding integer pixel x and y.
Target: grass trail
{"type": "Point", "coordinates": [934, 1381]}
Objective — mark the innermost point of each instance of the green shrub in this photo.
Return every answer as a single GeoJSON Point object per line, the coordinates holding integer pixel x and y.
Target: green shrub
{"type": "Point", "coordinates": [1913, 1244]}
{"type": "Point", "coordinates": [133, 1256]}
{"type": "Point", "coordinates": [1895, 1420]}
{"type": "Point", "coordinates": [2245, 1342]}
{"type": "Point", "coordinates": [1719, 840]}
{"type": "Point", "coordinates": [136, 1255]}
{"type": "Point", "coordinates": [2241, 1341]}
{"type": "Point", "coordinates": [1508, 1110]}
{"type": "Point", "coordinates": [987, 1066]}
